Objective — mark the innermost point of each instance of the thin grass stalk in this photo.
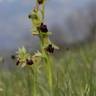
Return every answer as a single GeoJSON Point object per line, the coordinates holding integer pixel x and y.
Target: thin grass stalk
{"type": "Point", "coordinates": [35, 80]}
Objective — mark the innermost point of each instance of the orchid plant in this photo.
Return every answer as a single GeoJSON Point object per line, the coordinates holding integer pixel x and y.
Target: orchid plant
{"type": "Point", "coordinates": [39, 29]}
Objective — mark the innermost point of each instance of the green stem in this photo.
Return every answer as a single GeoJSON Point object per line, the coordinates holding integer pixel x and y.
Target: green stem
{"type": "Point", "coordinates": [46, 58]}
{"type": "Point", "coordinates": [49, 74]}
{"type": "Point", "coordinates": [48, 66]}
{"type": "Point", "coordinates": [35, 81]}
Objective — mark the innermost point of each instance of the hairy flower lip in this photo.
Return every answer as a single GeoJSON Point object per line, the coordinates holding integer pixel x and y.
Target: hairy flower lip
{"type": "Point", "coordinates": [43, 28]}
{"type": "Point", "coordinates": [50, 48]}
{"type": "Point", "coordinates": [40, 2]}
{"type": "Point", "coordinates": [18, 62]}
{"type": "Point", "coordinates": [29, 61]}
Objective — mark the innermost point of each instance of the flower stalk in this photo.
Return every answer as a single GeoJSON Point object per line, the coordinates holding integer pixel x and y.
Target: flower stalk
{"type": "Point", "coordinates": [39, 29]}
{"type": "Point", "coordinates": [44, 41]}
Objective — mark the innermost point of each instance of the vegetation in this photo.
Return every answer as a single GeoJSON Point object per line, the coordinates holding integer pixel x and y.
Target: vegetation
{"type": "Point", "coordinates": [41, 74]}
{"type": "Point", "coordinates": [73, 75]}
{"type": "Point", "coordinates": [39, 29]}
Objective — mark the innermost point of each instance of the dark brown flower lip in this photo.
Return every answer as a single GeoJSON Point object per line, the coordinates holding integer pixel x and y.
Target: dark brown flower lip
{"type": "Point", "coordinates": [50, 48]}
{"type": "Point", "coordinates": [43, 28]}
{"type": "Point", "coordinates": [18, 62]}
{"type": "Point", "coordinates": [29, 61]}
{"type": "Point", "coordinates": [40, 2]}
